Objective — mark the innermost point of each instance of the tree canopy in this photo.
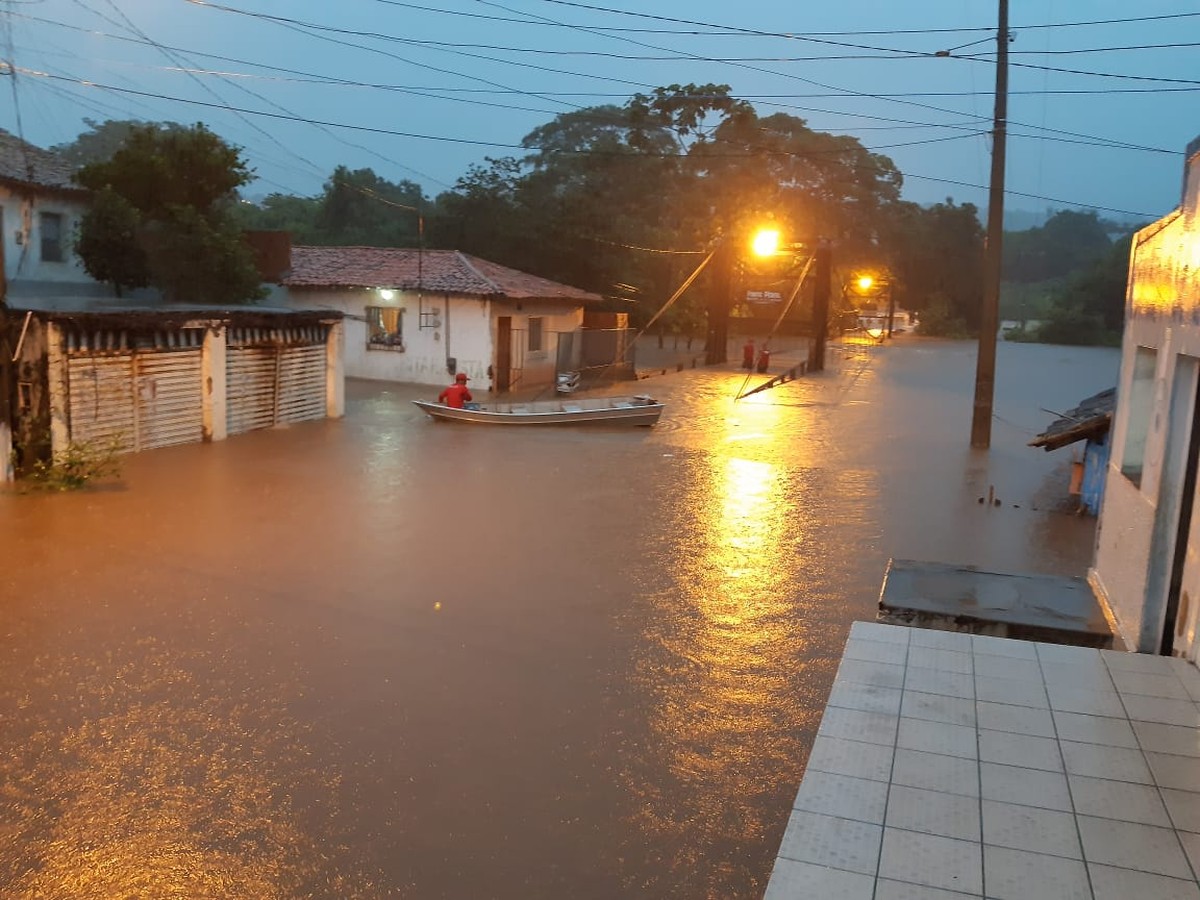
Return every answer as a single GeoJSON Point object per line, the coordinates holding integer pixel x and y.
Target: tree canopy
{"type": "Point", "coordinates": [163, 217]}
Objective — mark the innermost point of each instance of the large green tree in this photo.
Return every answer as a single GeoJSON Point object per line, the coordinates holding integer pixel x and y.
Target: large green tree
{"type": "Point", "coordinates": [172, 192]}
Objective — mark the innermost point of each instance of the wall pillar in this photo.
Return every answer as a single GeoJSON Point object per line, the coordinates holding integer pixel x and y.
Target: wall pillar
{"type": "Point", "coordinates": [335, 370]}
{"type": "Point", "coordinates": [214, 390]}
{"type": "Point", "coordinates": [60, 412]}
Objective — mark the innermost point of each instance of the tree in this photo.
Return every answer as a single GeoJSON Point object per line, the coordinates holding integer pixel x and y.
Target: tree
{"type": "Point", "coordinates": [170, 193]}
{"type": "Point", "coordinates": [358, 208]}
{"type": "Point", "coordinates": [103, 139]}
{"type": "Point", "coordinates": [1068, 242]}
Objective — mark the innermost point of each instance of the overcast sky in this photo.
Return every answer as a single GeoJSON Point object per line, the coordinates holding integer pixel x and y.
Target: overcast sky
{"type": "Point", "coordinates": [459, 80]}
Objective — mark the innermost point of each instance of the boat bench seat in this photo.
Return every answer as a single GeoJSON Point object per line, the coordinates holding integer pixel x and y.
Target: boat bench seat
{"type": "Point", "coordinates": [622, 404]}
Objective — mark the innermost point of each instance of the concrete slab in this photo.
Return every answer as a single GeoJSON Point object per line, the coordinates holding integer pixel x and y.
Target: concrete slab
{"type": "Point", "coordinates": [1045, 608]}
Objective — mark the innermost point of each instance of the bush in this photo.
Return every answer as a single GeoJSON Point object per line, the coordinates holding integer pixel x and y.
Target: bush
{"type": "Point", "coordinates": [938, 320]}
{"type": "Point", "coordinates": [82, 463]}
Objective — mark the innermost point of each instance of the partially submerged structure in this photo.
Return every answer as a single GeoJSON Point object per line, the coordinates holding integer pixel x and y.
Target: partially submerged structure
{"type": "Point", "coordinates": [1090, 422]}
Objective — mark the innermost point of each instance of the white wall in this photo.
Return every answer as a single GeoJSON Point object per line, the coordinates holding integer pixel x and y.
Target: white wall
{"type": "Point", "coordinates": [1162, 313]}
{"type": "Point", "coordinates": [466, 333]}
{"type": "Point", "coordinates": [22, 239]}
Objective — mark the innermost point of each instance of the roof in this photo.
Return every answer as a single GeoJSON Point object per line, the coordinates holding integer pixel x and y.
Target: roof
{"type": "Point", "coordinates": [432, 270]}
{"type": "Point", "coordinates": [22, 162]}
{"type": "Point", "coordinates": [1089, 420]}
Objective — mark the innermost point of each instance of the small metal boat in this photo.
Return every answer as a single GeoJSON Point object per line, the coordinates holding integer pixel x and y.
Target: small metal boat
{"type": "Point", "coordinates": [639, 410]}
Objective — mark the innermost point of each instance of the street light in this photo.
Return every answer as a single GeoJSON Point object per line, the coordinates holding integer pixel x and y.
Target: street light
{"type": "Point", "coordinates": [765, 242]}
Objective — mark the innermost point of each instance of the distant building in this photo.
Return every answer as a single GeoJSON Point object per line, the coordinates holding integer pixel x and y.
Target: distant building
{"type": "Point", "coordinates": [1147, 564]}
{"type": "Point", "coordinates": [40, 208]}
{"type": "Point", "coordinates": [421, 316]}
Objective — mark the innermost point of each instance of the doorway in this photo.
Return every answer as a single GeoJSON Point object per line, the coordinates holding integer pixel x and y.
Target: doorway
{"type": "Point", "coordinates": [503, 354]}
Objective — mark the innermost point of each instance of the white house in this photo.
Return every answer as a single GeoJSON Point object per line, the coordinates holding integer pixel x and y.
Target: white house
{"type": "Point", "coordinates": [421, 316]}
{"type": "Point", "coordinates": [39, 209]}
{"type": "Point", "coordinates": [1147, 563]}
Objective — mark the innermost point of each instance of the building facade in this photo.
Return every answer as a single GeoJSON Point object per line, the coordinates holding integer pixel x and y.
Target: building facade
{"type": "Point", "coordinates": [1147, 562]}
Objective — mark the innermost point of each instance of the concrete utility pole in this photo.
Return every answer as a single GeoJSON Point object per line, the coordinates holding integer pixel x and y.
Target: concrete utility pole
{"type": "Point", "coordinates": [716, 347]}
{"type": "Point", "coordinates": [822, 272]}
{"type": "Point", "coordinates": [989, 319]}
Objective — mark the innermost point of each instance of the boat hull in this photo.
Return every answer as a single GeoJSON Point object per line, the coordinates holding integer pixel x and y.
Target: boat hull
{"type": "Point", "coordinates": [618, 411]}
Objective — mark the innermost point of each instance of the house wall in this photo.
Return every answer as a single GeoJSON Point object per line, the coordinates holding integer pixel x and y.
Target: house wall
{"type": "Point", "coordinates": [28, 274]}
{"type": "Point", "coordinates": [465, 332]}
{"type": "Point", "coordinates": [1138, 518]}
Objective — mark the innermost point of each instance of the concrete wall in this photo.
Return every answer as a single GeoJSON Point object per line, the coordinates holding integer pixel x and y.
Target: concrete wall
{"type": "Point", "coordinates": [1138, 518]}
{"type": "Point", "coordinates": [465, 332]}
{"type": "Point", "coordinates": [22, 237]}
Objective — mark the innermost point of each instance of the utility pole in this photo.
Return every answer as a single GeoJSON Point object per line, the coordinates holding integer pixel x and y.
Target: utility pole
{"type": "Point", "coordinates": [7, 378]}
{"type": "Point", "coordinates": [716, 347]}
{"type": "Point", "coordinates": [822, 272]}
{"type": "Point", "coordinates": [989, 319]}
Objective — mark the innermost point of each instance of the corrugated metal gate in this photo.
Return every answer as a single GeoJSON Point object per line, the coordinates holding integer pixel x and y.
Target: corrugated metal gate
{"type": "Point", "coordinates": [274, 376]}
{"type": "Point", "coordinates": [140, 392]}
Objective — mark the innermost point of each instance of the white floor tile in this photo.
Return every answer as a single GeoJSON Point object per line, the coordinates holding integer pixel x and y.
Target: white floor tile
{"type": "Point", "coordinates": [1015, 719]}
{"type": "Point", "coordinates": [1157, 709]}
{"type": "Point", "coordinates": [1122, 661]}
{"type": "Point", "coordinates": [1125, 884]}
{"type": "Point", "coordinates": [941, 640]}
{"type": "Point", "coordinates": [899, 890]}
{"type": "Point", "coordinates": [1118, 800]}
{"type": "Point", "coordinates": [1180, 772]}
{"type": "Point", "coordinates": [857, 725]}
{"type": "Point", "coordinates": [842, 796]}
{"type": "Point", "coordinates": [937, 737]}
{"type": "Point", "coordinates": [1010, 667]}
{"type": "Point", "coordinates": [994, 646]}
{"type": "Point", "coordinates": [793, 880]}
{"type": "Point", "coordinates": [952, 774]}
{"type": "Point", "coordinates": [1030, 787]}
{"type": "Point", "coordinates": [1158, 738]}
{"type": "Point", "coordinates": [1020, 875]}
{"type": "Point", "coordinates": [1029, 828]}
{"type": "Point", "coordinates": [1090, 677]}
{"type": "Point", "coordinates": [879, 631]}
{"type": "Point", "coordinates": [1191, 847]}
{"type": "Point", "coordinates": [1086, 702]}
{"type": "Point", "coordinates": [1150, 685]}
{"type": "Point", "coordinates": [931, 860]}
{"type": "Point", "coordinates": [1133, 846]}
{"type": "Point", "coordinates": [1011, 691]}
{"type": "Point", "coordinates": [1112, 763]}
{"type": "Point", "coordinates": [933, 681]}
{"type": "Point", "coordinates": [1183, 807]}
{"type": "Point", "coordinates": [938, 708]}
{"type": "Point", "coordinates": [854, 758]}
{"type": "Point", "coordinates": [1189, 676]}
{"type": "Point", "coordinates": [862, 672]}
{"type": "Point", "coordinates": [1094, 730]}
{"type": "Point", "coordinates": [867, 697]}
{"type": "Point", "coordinates": [829, 841]}
{"type": "Point", "coordinates": [941, 660]}
{"type": "Point", "coordinates": [876, 651]}
{"type": "Point", "coordinates": [1067, 654]}
{"type": "Point", "coordinates": [933, 812]}
{"type": "Point", "coordinates": [1023, 750]}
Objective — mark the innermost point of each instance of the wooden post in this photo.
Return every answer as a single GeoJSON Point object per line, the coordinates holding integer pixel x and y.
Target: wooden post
{"type": "Point", "coordinates": [822, 272]}
{"type": "Point", "coordinates": [716, 350]}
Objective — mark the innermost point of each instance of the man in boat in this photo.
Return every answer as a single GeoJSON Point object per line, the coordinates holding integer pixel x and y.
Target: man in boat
{"type": "Point", "coordinates": [456, 395]}
{"type": "Point", "coordinates": [748, 354]}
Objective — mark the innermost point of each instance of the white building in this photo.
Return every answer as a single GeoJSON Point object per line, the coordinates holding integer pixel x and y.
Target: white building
{"type": "Point", "coordinates": [40, 208]}
{"type": "Point", "coordinates": [1147, 564]}
{"type": "Point", "coordinates": [421, 316]}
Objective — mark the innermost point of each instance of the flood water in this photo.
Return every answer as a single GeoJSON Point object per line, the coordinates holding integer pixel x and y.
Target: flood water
{"type": "Point", "coordinates": [387, 657]}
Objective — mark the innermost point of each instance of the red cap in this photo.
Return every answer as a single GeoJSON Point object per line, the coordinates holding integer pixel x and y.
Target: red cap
{"type": "Point", "coordinates": [461, 376]}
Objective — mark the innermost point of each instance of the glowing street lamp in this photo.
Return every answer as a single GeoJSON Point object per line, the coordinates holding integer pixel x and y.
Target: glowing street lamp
{"type": "Point", "coordinates": [865, 282]}
{"type": "Point", "coordinates": [766, 242]}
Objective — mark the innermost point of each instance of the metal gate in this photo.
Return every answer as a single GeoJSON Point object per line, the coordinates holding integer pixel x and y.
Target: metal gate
{"type": "Point", "coordinates": [136, 397]}
{"type": "Point", "coordinates": [274, 376]}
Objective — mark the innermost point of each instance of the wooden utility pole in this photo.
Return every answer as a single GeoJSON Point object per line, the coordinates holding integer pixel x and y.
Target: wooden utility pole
{"type": "Point", "coordinates": [716, 347]}
{"type": "Point", "coordinates": [7, 378]}
{"type": "Point", "coordinates": [989, 319]}
{"type": "Point", "coordinates": [822, 272]}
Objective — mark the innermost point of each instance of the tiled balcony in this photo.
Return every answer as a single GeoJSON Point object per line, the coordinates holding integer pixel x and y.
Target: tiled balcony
{"type": "Point", "coordinates": [950, 765]}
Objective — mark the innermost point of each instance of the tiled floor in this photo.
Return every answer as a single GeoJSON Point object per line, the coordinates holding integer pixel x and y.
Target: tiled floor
{"type": "Point", "coordinates": [950, 766]}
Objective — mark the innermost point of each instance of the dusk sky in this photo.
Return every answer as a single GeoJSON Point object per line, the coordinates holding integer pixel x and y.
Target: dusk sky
{"type": "Point", "coordinates": [460, 80]}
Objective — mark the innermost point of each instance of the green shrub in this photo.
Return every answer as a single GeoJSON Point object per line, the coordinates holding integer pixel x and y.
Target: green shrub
{"type": "Point", "coordinates": [80, 464]}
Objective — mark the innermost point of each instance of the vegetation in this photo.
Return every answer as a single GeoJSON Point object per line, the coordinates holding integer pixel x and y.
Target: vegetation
{"type": "Point", "coordinates": [80, 465]}
{"type": "Point", "coordinates": [163, 216]}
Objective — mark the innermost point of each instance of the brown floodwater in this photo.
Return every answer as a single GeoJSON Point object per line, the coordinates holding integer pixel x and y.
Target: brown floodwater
{"type": "Point", "coordinates": [387, 657]}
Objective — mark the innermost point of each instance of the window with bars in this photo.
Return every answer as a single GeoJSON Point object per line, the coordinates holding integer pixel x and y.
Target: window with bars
{"type": "Point", "coordinates": [385, 328]}
{"type": "Point", "coordinates": [51, 227]}
{"type": "Point", "coordinates": [535, 334]}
